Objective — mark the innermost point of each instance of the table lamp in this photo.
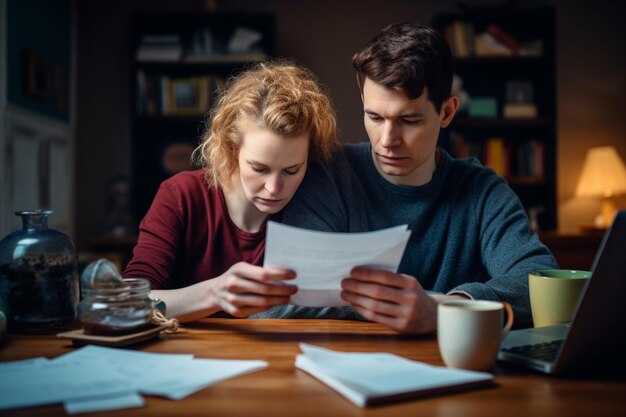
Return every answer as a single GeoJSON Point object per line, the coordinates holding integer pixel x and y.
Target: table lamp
{"type": "Point", "coordinates": [603, 176]}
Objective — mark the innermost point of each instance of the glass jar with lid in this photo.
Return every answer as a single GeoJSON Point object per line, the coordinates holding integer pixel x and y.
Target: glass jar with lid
{"type": "Point", "coordinates": [116, 310]}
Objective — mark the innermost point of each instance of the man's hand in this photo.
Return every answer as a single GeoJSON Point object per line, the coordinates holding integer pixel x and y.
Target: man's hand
{"type": "Point", "coordinates": [395, 300]}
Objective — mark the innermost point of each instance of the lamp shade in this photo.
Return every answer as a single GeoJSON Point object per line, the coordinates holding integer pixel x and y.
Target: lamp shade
{"type": "Point", "coordinates": [603, 174]}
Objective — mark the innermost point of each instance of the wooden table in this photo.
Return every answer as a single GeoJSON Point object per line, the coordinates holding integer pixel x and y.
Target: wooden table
{"type": "Point", "coordinates": [281, 390]}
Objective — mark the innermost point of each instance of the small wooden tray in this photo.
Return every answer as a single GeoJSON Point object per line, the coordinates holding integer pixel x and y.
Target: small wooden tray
{"type": "Point", "coordinates": [78, 337]}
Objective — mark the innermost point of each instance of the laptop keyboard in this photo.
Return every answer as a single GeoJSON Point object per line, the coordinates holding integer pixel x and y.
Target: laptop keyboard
{"type": "Point", "coordinates": [544, 351]}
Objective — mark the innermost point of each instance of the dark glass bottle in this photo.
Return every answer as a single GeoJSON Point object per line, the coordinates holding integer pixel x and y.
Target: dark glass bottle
{"type": "Point", "coordinates": [38, 276]}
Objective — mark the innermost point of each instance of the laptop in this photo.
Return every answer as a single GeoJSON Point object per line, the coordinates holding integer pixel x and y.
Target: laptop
{"type": "Point", "coordinates": [595, 339]}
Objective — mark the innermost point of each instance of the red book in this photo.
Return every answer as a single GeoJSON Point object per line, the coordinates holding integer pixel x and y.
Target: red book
{"type": "Point", "coordinates": [503, 37]}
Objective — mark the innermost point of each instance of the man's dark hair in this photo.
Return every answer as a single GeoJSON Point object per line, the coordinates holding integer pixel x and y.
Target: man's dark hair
{"type": "Point", "coordinates": [408, 57]}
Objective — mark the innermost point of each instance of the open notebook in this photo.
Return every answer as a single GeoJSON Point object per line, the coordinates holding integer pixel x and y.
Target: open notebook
{"type": "Point", "coordinates": [367, 378]}
{"type": "Point", "coordinates": [595, 338]}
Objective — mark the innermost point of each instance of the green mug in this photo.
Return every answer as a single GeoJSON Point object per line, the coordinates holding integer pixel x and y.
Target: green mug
{"type": "Point", "coordinates": [554, 294]}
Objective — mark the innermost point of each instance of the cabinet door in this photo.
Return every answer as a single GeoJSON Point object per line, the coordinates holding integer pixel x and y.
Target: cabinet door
{"type": "Point", "coordinates": [36, 135]}
{"type": "Point", "coordinates": [37, 170]}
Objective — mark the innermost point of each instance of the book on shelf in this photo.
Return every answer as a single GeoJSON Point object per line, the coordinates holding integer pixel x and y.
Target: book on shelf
{"type": "Point", "coordinates": [242, 47]}
{"type": "Point", "coordinates": [159, 48]}
{"type": "Point", "coordinates": [496, 156]}
{"type": "Point", "coordinates": [520, 91]}
{"type": "Point", "coordinates": [530, 160]}
{"type": "Point", "coordinates": [511, 159]}
{"type": "Point", "coordinates": [495, 41]}
{"type": "Point", "coordinates": [225, 58]}
{"type": "Point", "coordinates": [486, 45]}
{"type": "Point", "coordinates": [483, 107]}
{"type": "Point", "coordinates": [492, 40]}
{"type": "Point", "coordinates": [520, 100]}
{"type": "Point", "coordinates": [463, 33]}
{"type": "Point", "coordinates": [537, 152]}
{"type": "Point", "coordinates": [460, 36]}
{"type": "Point", "coordinates": [141, 104]}
{"type": "Point", "coordinates": [243, 40]}
{"type": "Point", "coordinates": [519, 111]}
{"type": "Point", "coordinates": [375, 378]}
{"type": "Point", "coordinates": [503, 37]}
{"type": "Point", "coordinates": [201, 42]}
{"type": "Point", "coordinates": [465, 42]}
{"type": "Point", "coordinates": [164, 95]}
{"type": "Point", "coordinates": [533, 48]}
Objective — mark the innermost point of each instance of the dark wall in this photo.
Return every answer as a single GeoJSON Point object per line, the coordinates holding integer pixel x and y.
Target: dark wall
{"type": "Point", "coordinates": [103, 103]}
{"type": "Point", "coordinates": [38, 56]}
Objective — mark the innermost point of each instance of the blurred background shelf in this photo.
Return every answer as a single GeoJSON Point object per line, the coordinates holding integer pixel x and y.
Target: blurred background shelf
{"type": "Point", "coordinates": [506, 81]}
{"type": "Point", "coordinates": [180, 63]}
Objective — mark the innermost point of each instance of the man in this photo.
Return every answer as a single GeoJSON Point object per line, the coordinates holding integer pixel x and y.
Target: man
{"type": "Point", "coordinates": [470, 235]}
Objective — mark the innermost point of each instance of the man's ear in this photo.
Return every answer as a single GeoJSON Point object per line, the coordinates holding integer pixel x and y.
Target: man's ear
{"type": "Point", "coordinates": [448, 110]}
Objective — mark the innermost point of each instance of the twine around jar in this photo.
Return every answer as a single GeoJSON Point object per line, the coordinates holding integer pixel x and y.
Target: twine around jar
{"type": "Point", "coordinates": [159, 319]}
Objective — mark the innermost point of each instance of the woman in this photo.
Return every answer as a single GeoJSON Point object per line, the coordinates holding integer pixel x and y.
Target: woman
{"type": "Point", "coordinates": [202, 239]}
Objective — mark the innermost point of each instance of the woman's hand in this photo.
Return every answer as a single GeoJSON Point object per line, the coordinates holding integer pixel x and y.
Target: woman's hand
{"type": "Point", "coordinates": [247, 289]}
{"type": "Point", "coordinates": [243, 290]}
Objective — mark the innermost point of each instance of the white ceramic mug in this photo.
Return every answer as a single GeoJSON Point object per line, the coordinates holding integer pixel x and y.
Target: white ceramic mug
{"type": "Point", "coordinates": [469, 332]}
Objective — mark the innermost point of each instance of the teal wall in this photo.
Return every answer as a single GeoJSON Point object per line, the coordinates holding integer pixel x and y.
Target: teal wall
{"type": "Point", "coordinates": [42, 27]}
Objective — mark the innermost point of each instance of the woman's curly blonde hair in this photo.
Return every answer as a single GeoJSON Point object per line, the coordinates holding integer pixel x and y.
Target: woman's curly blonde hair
{"type": "Point", "coordinates": [280, 96]}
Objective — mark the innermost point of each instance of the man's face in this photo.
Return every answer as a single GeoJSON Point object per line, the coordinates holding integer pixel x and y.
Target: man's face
{"type": "Point", "coordinates": [403, 132]}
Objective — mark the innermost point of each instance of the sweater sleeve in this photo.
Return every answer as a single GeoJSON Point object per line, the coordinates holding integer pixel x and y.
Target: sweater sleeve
{"type": "Point", "coordinates": [160, 231]}
{"type": "Point", "coordinates": [509, 248]}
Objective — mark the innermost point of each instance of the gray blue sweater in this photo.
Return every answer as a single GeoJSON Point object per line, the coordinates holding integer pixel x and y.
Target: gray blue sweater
{"type": "Point", "coordinates": [469, 230]}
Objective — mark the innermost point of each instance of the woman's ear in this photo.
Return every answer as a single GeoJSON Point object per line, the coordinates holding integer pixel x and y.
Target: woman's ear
{"type": "Point", "coordinates": [448, 110]}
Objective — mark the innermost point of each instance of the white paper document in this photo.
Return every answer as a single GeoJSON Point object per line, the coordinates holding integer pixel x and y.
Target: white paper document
{"type": "Point", "coordinates": [104, 403]}
{"type": "Point", "coordinates": [193, 376]}
{"type": "Point", "coordinates": [97, 378]}
{"type": "Point", "coordinates": [322, 259]}
{"type": "Point", "coordinates": [50, 382]}
{"type": "Point", "coordinates": [374, 378]}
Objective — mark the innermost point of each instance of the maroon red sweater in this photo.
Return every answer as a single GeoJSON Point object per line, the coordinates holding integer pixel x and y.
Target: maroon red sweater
{"type": "Point", "coordinates": [187, 235]}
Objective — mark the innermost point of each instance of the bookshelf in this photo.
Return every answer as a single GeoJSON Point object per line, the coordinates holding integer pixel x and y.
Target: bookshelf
{"type": "Point", "coordinates": [506, 80]}
{"type": "Point", "coordinates": [179, 63]}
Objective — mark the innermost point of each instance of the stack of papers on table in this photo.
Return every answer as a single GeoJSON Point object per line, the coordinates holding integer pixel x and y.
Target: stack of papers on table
{"type": "Point", "coordinates": [98, 378]}
{"type": "Point", "coordinates": [374, 378]}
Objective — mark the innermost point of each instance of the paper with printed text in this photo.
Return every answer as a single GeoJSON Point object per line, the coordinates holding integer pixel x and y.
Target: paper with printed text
{"type": "Point", "coordinates": [322, 259]}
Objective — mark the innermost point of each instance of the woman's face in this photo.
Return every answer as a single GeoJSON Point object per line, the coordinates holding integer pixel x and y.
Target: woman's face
{"type": "Point", "coordinates": [271, 167]}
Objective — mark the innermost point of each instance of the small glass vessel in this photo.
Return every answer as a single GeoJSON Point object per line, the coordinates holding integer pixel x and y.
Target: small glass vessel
{"type": "Point", "coordinates": [116, 310]}
{"type": "Point", "coordinates": [38, 276]}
